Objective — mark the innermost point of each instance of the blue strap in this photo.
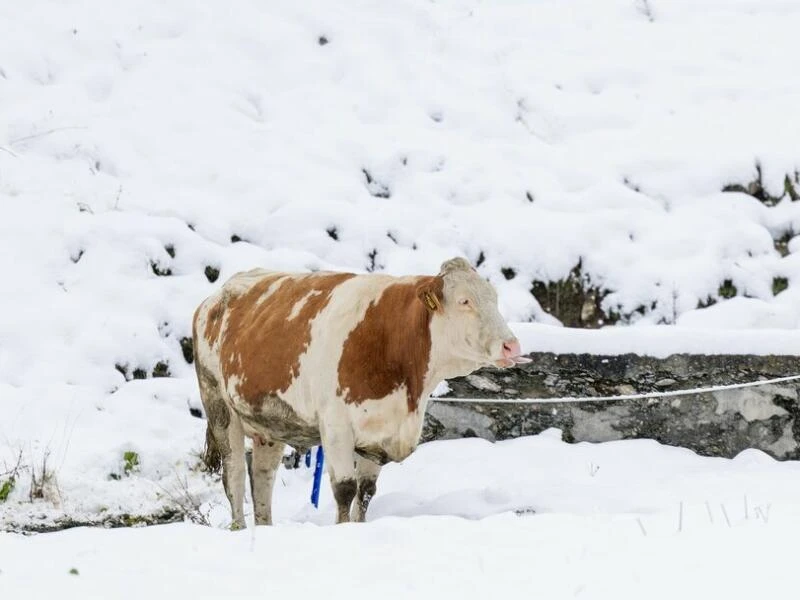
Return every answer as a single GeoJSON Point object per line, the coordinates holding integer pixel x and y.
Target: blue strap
{"type": "Point", "coordinates": [317, 477]}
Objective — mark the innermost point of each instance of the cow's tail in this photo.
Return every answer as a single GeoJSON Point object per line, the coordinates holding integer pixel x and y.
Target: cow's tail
{"type": "Point", "coordinates": [212, 457]}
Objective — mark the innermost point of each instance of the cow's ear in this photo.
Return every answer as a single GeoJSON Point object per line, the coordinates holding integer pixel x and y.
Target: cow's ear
{"type": "Point", "coordinates": [431, 293]}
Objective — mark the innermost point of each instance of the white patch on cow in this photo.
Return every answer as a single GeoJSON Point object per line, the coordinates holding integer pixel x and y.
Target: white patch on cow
{"type": "Point", "coordinates": [271, 289]}
{"type": "Point", "coordinates": [231, 385]}
{"type": "Point", "coordinates": [298, 306]}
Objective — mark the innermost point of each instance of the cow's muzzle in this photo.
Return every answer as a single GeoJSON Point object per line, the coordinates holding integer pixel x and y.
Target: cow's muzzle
{"type": "Point", "coordinates": [511, 352]}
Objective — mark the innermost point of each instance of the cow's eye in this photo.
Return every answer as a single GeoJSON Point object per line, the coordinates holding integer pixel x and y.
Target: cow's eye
{"type": "Point", "coordinates": [464, 302]}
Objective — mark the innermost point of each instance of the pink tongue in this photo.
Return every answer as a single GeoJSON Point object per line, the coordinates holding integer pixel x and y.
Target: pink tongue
{"type": "Point", "coordinates": [521, 360]}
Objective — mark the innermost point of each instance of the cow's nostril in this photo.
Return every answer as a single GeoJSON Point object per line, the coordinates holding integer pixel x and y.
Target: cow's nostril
{"type": "Point", "coordinates": [511, 348]}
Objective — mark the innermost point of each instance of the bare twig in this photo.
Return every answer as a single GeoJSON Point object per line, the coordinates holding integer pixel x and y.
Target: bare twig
{"type": "Point", "coordinates": [641, 526]}
{"type": "Point", "coordinates": [763, 514]}
{"type": "Point", "coordinates": [44, 485]}
{"type": "Point", "coordinates": [4, 149]}
{"type": "Point", "coordinates": [186, 502]}
{"type": "Point", "coordinates": [643, 6]}
{"type": "Point", "coordinates": [13, 471]}
{"type": "Point", "coordinates": [32, 136]}
{"type": "Point", "coordinates": [725, 514]}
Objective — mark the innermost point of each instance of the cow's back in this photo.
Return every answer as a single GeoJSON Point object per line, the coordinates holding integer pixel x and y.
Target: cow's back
{"type": "Point", "coordinates": [254, 330]}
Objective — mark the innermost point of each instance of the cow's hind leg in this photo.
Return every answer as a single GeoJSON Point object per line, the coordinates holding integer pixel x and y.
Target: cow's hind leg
{"type": "Point", "coordinates": [224, 442]}
{"type": "Point", "coordinates": [367, 472]}
{"type": "Point", "coordinates": [234, 470]}
{"type": "Point", "coordinates": [266, 458]}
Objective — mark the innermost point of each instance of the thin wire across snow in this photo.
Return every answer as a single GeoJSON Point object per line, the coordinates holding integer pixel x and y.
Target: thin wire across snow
{"type": "Point", "coordinates": [646, 396]}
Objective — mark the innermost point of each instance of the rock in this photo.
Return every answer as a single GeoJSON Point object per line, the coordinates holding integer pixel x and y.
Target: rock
{"type": "Point", "coordinates": [483, 383]}
{"type": "Point", "coordinates": [573, 300]}
{"type": "Point", "coordinates": [720, 423]}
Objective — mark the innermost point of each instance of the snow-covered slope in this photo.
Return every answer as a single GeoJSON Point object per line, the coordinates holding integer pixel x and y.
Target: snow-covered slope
{"type": "Point", "coordinates": [148, 148]}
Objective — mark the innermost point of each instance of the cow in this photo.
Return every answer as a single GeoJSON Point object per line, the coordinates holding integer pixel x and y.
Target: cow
{"type": "Point", "coordinates": [344, 360]}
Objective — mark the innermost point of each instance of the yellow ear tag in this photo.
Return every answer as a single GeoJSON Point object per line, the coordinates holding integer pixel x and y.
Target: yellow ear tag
{"type": "Point", "coordinates": [431, 301]}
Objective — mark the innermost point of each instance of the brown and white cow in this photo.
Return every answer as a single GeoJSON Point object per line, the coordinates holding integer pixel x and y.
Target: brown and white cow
{"type": "Point", "coordinates": [345, 360]}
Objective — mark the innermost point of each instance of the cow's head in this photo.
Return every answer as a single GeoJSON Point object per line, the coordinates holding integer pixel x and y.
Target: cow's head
{"type": "Point", "coordinates": [465, 308]}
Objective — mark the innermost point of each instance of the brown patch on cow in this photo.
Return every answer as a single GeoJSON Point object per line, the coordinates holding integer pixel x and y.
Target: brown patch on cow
{"type": "Point", "coordinates": [260, 344]}
{"type": "Point", "coordinates": [213, 326]}
{"type": "Point", "coordinates": [391, 345]}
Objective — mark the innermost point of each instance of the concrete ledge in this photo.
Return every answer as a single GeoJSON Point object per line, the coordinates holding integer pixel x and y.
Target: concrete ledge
{"type": "Point", "coordinates": [721, 423]}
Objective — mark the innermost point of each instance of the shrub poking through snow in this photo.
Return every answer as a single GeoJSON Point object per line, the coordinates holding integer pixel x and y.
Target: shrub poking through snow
{"type": "Point", "coordinates": [212, 273]}
{"type": "Point", "coordinates": [130, 462]}
{"type": "Point", "coordinates": [187, 504]}
{"type": "Point", "coordinates": [161, 369]}
{"type": "Point", "coordinates": [791, 183]}
{"type": "Point", "coordinates": [574, 300]}
{"type": "Point", "coordinates": [782, 243]}
{"type": "Point", "coordinates": [187, 349]}
{"type": "Point", "coordinates": [376, 188]}
{"type": "Point", "coordinates": [160, 271]}
{"type": "Point", "coordinates": [8, 480]}
{"type": "Point", "coordinates": [727, 290]}
{"type": "Point", "coordinates": [779, 284]}
{"type": "Point", "coordinates": [6, 487]}
{"type": "Point", "coordinates": [44, 485]}
{"type": "Point", "coordinates": [790, 186]}
{"type": "Point", "coordinates": [373, 265]}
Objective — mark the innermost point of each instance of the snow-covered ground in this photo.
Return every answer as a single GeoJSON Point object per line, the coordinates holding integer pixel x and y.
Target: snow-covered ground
{"type": "Point", "coordinates": [627, 519]}
{"type": "Point", "coordinates": [138, 140]}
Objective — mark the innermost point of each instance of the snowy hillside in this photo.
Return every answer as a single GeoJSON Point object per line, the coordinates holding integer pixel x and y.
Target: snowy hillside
{"type": "Point", "coordinates": [150, 150]}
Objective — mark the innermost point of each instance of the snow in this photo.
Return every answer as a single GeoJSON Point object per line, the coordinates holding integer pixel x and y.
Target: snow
{"type": "Point", "coordinates": [614, 520]}
{"type": "Point", "coordinates": [530, 136]}
{"type": "Point", "coordinates": [660, 341]}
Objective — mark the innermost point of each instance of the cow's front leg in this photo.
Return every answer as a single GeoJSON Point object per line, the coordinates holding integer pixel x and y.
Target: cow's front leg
{"type": "Point", "coordinates": [338, 444]}
{"type": "Point", "coordinates": [367, 472]}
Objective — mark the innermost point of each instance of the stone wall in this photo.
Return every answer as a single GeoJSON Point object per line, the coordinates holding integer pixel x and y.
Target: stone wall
{"type": "Point", "coordinates": [720, 423]}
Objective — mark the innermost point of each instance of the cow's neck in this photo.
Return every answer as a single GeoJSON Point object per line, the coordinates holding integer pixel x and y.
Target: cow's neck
{"type": "Point", "coordinates": [443, 364]}
{"type": "Point", "coordinates": [408, 353]}
{"type": "Point", "coordinates": [419, 325]}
